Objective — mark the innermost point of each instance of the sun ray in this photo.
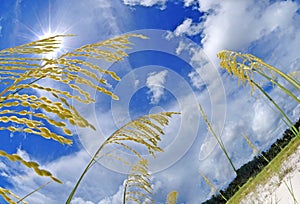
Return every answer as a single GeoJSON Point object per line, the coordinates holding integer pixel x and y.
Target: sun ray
{"type": "Point", "coordinates": [43, 29]}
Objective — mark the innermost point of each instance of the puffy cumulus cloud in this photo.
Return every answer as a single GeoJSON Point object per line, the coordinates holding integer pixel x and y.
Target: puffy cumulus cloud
{"type": "Point", "coordinates": [136, 83]}
{"type": "Point", "coordinates": [146, 3]}
{"type": "Point", "coordinates": [188, 28]}
{"type": "Point", "coordinates": [196, 79]}
{"type": "Point", "coordinates": [78, 200]}
{"type": "Point", "coordinates": [264, 117]}
{"type": "Point", "coordinates": [262, 27]}
{"type": "Point", "coordinates": [155, 83]}
{"type": "Point", "coordinates": [237, 24]}
{"type": "Point", "coordinates": [115, 198]}
{"type": "Point", "coordinates": [188, 3]}
{"type": "Point", "coordinates": [68, 169]}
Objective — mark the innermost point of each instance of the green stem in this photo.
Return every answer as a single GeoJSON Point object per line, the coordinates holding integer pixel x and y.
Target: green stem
{"type": "Point", "coordinates": [212, 186]}
{"type": "Point", "coordinates": [290, 189]}
{"type": "Point", "coordinates": [39, 188]}
{"type": "Point", "coordinates": [84, 172]}
{"type": "Point", "coordinates": [216, 137]}
{"type": "Point", "coordinates": [294, 130]}
{"type": "Point", "coordinates": [279, 85]}
{"type": "Point", "coordinates": [90, 164]}
{"type": "Point", "coordinates": [283, 75]}
{"type": "Point", "coordinates": [124, 193]}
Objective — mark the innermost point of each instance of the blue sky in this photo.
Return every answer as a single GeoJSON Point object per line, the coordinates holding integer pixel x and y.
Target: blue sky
{"type": "Point", "coordinates": [173, 70]}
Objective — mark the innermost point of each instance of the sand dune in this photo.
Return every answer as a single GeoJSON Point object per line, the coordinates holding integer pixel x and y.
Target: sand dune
{"type": "Point", "coordinates": [283, 188]}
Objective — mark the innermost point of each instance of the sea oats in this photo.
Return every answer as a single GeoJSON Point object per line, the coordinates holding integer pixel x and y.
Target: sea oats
{"type": "Point", "coordinates": [137, 186]}
{"type": "Point", "coordinates": [144, 131]}
{"type": "Point", "coordinates": [49, 115]}
{"type": "Point", "coordinates": [172, 197]}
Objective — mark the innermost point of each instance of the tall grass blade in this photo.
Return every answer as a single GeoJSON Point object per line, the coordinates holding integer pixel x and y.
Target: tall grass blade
{"type": "Point", "coordinates": [220, 143]}
{"type": "Point", "coordinates": [29, 164]}
{"type": "Point", "coordinates": [32, 192]}
{"type": "Point", "coordinates": [243, 66]}
{"type": "Point", "coordinates": [145, 131]}
{"type": "Point", "coordinates": [291, 191]}
{"type": "Point", "coordinates": [212, 186]}
{"type": "Point", "coordinates": [290, 123]}
{"type": "Point", "coordinates": [254, 148]}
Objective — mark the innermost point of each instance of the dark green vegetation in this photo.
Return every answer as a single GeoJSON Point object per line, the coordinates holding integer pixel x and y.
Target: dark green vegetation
{"type": "Point", "coordinates": [254, 167]}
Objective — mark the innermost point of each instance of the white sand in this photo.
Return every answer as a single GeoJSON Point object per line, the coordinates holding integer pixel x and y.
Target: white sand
{"type": "Point", "coordinates": [276, 190]}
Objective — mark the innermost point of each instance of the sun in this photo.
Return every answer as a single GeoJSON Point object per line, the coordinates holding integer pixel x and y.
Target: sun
{"type": "Point", "coordinates": [48, 25]}
{"type": "Point", "coordinates": [57, 51]}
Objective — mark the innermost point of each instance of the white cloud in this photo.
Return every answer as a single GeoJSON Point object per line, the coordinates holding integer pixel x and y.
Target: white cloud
{"type": "Point", "coordinates": [188, 3]}
{"type": "Point", "coordinates": [146, 3]}
{"type": "Point", "coordinates": [22, 154]}
{"type": "Point", "coordinates": [90, 21]}
{"type": "Point", "coordinates": [264, 117]}
{"type": "Point", "coordinates": [114, 199]}
{"type": "Point", "coordinates": [188, 28]}
{"type": "Point", "coordinates": [78, 200]}
{"type": "Point", "coordinates": [242, 25]}
{"type": "Point", "coordinates": [3, 166]}
{"type": "Point", "coordinates": [68, 169]}
{"type": "Point", "coordinates": [236, 24]}
{"type": "Point", "coordinates": [136, 83]}
{"type": "Point", "coordinates": [155, 83]}
{"type": "Point", "coordinates": [228, 25]}
{"type": "Point", "coordinates": [196, 80]}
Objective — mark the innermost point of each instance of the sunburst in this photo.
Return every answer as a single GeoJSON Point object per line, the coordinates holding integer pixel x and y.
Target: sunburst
{"type": "Point", "coordinates": [45, 28]}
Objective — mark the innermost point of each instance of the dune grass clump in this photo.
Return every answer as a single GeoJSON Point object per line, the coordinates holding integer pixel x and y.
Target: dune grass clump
{"type": "Point", "coordinates": [145, 131]}
{"type": "Point", "coordinates": [35, 109]}
{"type": "Point", "coordinates": [246, 66]}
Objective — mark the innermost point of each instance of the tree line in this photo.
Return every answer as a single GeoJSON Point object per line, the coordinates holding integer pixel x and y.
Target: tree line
{"type": "Point", "coordinates": [253, 167]}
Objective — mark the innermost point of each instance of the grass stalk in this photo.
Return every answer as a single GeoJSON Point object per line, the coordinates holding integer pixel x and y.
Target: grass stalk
{"type": "Point", "coordinates": [124, 193]}
{"type": "Point", "coordinates": [142, 131]}
{"type": "Point", "coordinates": [291, 125]}
{"type": "Point", "coordinates": [288, 78]}
{"type": "Point", "coordinates": [253, 147]}
{"type": "Point", "coordinates": [291, 191]}
{"type": "Point", "coordinates": [32, 192]}
{"type": "Point", "coordinates": [212, 186]}
{"type": "Point", "coordinates": [279, 85]}
{"type": "Point", "coordinates": [92, 161]}
{"type": "Point", "coordinates": [216, 137]}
